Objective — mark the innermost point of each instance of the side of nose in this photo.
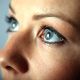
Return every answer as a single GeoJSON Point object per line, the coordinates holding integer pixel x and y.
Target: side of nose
{"type": "Point", "coordinates": [13, 60]}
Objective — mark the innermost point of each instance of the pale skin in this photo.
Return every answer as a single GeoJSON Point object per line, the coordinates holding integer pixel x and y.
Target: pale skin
{"type": "Point", "coordinates": [27, 56]}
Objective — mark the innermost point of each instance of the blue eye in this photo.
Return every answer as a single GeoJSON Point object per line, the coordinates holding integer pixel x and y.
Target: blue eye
{"type": "Point", "coordinates": [49, 35]}
{"type": "Point", "coordinates": [13, 24]}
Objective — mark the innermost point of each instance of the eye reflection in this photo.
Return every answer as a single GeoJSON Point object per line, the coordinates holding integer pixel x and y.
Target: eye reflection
{"type": "Point", "coordinates": [51, 36]}
{"type": "Point", "coordinates": [13, 24]}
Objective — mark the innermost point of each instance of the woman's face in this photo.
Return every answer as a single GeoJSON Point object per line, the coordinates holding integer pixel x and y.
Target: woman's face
{"type": "Point", "coordinates": [44, 40]}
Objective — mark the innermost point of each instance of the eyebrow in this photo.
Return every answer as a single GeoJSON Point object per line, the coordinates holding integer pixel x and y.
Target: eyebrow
{"type": "Point", "coordinates": [60, 16]}
{"type": "Point", "coordinates": [40, 16]}
{"type": "Point", "coordinates": [11, 8]}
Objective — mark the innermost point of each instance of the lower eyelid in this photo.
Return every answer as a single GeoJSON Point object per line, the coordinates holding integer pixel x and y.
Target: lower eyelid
{"type": "Point", "coordinates": [51, 45]}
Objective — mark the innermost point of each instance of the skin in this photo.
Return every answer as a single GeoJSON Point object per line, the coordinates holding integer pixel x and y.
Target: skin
{"type": "Point", "coordinates": [27, 57]}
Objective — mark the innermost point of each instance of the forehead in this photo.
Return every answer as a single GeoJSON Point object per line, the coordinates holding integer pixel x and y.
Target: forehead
{"type": "Point", "coordinates": [50, 4]}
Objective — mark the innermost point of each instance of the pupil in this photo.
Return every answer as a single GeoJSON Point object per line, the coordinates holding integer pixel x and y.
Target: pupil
{"type": "Point", "coordinates": [48, 35]}
{"type": "Point", "coordinates": [13, 25]}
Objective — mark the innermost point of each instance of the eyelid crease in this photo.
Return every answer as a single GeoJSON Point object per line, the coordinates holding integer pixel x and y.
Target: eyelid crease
{"type": "Point", "coordinates": [52, 29]}
{"type": "Point", "coordinates": [9, 18]}
{"type": "Point", "coordinates": [60, 16]}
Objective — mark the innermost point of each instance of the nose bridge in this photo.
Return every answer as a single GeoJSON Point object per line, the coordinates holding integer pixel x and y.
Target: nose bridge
{"type": "Point", "coordinates": [12, 57]}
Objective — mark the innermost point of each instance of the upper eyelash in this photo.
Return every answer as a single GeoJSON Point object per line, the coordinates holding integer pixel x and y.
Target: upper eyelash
{"type": "Point", "coordinates": [9, 19]}
{"type": "Point", "coordinates": [52, 29]}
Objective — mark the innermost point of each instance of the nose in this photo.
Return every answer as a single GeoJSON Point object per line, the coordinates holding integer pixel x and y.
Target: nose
{"type": "Point", "coordinates": [13, 60]}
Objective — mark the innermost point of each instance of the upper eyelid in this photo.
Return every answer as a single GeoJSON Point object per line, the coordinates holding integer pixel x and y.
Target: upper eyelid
{"type": "Point", "coordinates": [7, 19]}
{"type": "Point", "coordinates": [61, 17]}
{"type": "Point", "coordinates": [54, 30]}
{"type": "Point", "coordinates": [43, 27]}
{"type": "Point", "coordinates": [51, 28]}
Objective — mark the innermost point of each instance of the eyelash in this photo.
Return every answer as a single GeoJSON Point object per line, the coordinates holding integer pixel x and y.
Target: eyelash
{"type": "Point", "coordinates": [42, 34]}
{"type": "Point", "coordinates": [13, 23]}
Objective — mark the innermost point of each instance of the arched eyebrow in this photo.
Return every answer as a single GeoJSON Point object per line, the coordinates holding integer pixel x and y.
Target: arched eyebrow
{"type": "Point", "coordinates": [11, 8]}
{"type": "Point", "coordinates": [45, 15]}
{"type": "Point", "coordinates": [60, 16]}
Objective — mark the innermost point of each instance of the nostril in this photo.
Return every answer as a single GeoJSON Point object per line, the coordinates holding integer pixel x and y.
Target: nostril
{"type": "Point", "coordinates": [20, 63]}
{"type": "Point", "coordinates": [6, 65]}
{"type": "Point", "coordinates": [8, 68]}
{"type": "Point", "coordinates": [15, 63]}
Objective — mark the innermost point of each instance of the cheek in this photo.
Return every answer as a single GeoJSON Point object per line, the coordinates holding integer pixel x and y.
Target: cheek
{"type": "Point", "coordinates": [46, 68]}
{"type": "Point", "coordinates": [52, 65]}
